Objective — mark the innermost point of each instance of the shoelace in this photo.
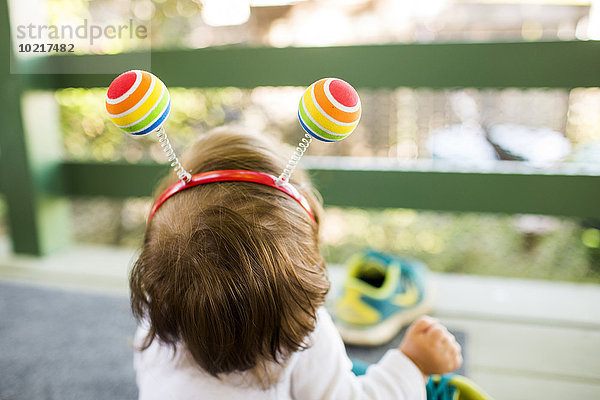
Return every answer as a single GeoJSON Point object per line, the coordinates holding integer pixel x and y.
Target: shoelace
{"type": "Point", "coordinates": [441, 389]}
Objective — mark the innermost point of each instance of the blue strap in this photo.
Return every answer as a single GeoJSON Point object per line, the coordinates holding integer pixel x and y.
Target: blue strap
{"type": "Point", "coordinates": [359, 367]}
{"type": "Point", "coordinates": [440, 389]}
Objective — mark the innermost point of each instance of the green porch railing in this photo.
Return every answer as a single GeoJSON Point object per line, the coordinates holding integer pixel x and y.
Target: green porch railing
{"type": "Point", "coordinates": [384, 183]}
{"type": "Point", "coordinates": [476, 65]}
{"type": "Point", "coordinates": [35, 181]}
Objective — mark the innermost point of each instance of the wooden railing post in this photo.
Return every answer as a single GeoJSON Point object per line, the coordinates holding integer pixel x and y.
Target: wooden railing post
{"type": "Point", "coordinates": [38, 215]}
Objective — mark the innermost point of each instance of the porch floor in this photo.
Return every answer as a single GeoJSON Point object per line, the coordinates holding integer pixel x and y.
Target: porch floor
{"type": "Point", "coordinates": [526, 339]}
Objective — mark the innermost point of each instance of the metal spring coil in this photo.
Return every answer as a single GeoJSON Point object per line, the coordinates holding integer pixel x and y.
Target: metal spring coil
{"type": "Point", "coordinates": [298, 153]}
{"type": "Point", "coordinates": [182, 174]}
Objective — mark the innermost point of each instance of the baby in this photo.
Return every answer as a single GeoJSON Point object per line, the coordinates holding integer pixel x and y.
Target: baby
{"type": "Point", "coordinates": [229, 291]}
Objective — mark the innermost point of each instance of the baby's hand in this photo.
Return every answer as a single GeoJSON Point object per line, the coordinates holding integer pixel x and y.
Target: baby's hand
{"type": "Point", "coordinates": [431, 347]}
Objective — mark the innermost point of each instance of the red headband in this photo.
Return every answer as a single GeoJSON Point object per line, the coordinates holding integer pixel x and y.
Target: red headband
{"type": "Point", "coordinates": [234, 175]}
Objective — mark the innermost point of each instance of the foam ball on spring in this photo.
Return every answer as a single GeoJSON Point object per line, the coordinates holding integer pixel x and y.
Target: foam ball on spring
{"type": "Point", "coordinates": [329, 110]}
{"type": "Point", "coordinates": [138, 102]}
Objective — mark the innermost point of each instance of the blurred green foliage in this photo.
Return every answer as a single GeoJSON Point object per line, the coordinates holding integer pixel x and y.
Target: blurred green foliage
{"type": "Point", "coordinates": [552, 248]}
{"type": "Point", "coordinates": [89, 135]}
{"type": "Point", "coordinates": [468, 243]}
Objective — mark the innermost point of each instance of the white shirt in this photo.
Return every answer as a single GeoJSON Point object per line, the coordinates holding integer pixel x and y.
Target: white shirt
{"type": "Point", "coordinates": [323, 371]}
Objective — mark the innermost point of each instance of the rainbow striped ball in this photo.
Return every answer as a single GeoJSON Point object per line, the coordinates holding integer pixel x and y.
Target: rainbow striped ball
{"type": "Point", "coordinates": [329, 109]}
{"type": "Point", "coordinates": [138, 102]}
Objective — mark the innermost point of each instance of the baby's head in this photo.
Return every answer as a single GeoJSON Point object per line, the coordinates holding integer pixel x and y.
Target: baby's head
{"type": "Point", "coordinates": [231, 270]}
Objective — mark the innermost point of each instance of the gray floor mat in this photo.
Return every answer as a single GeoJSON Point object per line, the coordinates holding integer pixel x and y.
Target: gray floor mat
{"type": "Point", "coordinates": [64, 345]}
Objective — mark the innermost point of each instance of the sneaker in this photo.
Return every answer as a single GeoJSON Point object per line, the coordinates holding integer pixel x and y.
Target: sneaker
{"type": "Point", "coordinates": [454, 387]}
{"type": "Point", "coordinates": [381, 294]}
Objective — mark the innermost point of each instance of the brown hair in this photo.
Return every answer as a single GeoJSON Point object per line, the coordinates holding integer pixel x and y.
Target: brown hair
{"type": "Point", "coordinates": [231, 270]}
